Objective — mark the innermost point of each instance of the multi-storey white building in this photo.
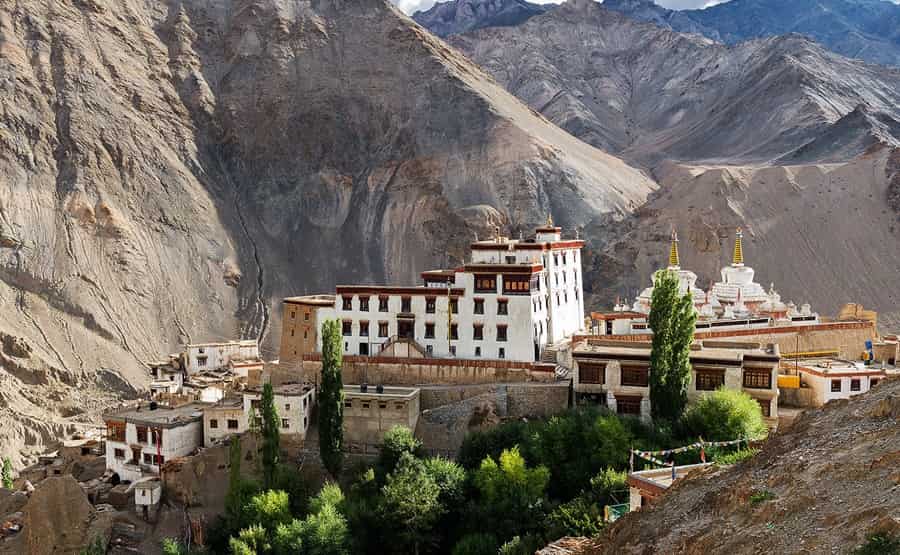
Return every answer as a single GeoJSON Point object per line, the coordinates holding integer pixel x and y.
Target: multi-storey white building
{"type": "Point", "coordinates": [513, 299]}
{"type": "Point", "coordinates": [212, 356]}
{"type": "Point", "coordinates": [139, 440]}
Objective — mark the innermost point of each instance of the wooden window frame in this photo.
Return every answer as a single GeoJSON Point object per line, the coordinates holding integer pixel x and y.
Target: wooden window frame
{"type": "Point", "coordinates": [637, 376]}
{"type": "Point", "coordinates": [753, 379]}
{"type": "Point", "coordinates": [709, 380]}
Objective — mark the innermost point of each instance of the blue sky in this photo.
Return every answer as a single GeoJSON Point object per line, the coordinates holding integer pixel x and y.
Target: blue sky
{"type": "Point", "coordinates": [410, 6]}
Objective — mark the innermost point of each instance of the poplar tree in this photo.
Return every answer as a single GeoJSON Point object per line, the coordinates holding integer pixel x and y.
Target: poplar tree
{"type": "Point", "coordinates": [672, 319]}
{"type": "Point", "coordinates": [331, 400]}
{"type": "Point", "coordinates": [270, 436]}
{"type": "Point", "coordinates": [7, 474]}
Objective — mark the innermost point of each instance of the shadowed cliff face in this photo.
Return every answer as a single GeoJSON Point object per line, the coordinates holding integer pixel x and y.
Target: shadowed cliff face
{"type": "Point", "coordinates": [171, 169]}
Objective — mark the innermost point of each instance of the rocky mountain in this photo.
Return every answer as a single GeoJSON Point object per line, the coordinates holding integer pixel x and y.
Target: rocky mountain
{"type": "Point", "coordinates": [458, 16]}
{"type": "Point", "coordinates": [864, 29]}
{"type": "Point", "coordinates": [172, 169]}
{"type": "Point", "coordinates": [823, 486]}
{"type": "Point", "coordinates": [648, 93]}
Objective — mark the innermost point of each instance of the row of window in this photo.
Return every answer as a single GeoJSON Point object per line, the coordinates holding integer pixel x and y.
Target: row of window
{"type": "Point", "coordinates": [706, 380]}
{"type": "Point", "coordinates": [366, 404]}
{"type": "Point", "coordinates": [837, 386]}
{"type": "Point", "coordinates": [364, 350]}
{"type": "Point", "coordinates": [477, 330]}
{"type": "Point", "coordinates": [631, 405]}
{"type": "Point", "coordinates": [149, 458]}
{"type": "Point", "coordinates": [430, 305]}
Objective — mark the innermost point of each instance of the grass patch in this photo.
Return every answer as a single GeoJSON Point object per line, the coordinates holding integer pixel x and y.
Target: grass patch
{"type": "Point", "coordinates": [879, 544]}
{"type": "Point", "coordinates": [735, 457]}
{"type": "Point", "coordinates": [761, 496]}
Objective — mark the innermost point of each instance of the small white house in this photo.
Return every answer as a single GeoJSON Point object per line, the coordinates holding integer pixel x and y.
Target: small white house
{"type": "Point", "coordinates": [838, 379]}
{"type": "Point", "coordinates": [294, 403]}
{"type": "Point", "coordinates": [140, 439]}
{"type": "Point", "coordinates": [213, 356]}
{"type": "Point", "coordinates": [222, 419]}
{"type": "Point", "coordinates": [147, 493]}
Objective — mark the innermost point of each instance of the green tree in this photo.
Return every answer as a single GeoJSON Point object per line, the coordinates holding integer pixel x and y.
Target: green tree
{"type": "Point", "coordinates": [672, 317]}
{"type": "Point", "coordinates": [269, 509]}
{"type": "Point", "coordinates": [411, 502]}
{"type": "Point", "coordinates": [397, 441]}
{"type": "Point", "coordinates": [7, 474]}
{"type": "Point", "coordinates": [270, 436]}
{"type": "Point", "coordinates": [253, 540]}
{"type": "Point", "coordinates": [512, 497]}
{"type": "Point", "coordinates": [478, 543]}
{"type": "Point", "coordinates": [725, 415]}
{"type": "Point", "coordinates": [331, 400]}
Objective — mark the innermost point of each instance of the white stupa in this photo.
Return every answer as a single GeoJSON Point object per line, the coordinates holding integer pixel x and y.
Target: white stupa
{"type": "Point", "coordinates": [686, 281]}
{"type": "Point", "coordinates": [737, 283]}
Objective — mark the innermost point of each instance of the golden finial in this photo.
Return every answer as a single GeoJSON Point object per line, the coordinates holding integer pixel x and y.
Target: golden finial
{"type": "Point", "coordinates": [674, 261]}
{"type": "Point", "coordinates": [549, 220]}
{"type": "Point", "coordinates": [738, 247]}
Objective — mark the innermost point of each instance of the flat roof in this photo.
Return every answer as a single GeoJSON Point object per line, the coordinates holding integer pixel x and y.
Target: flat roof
{"type": "Point", "coordinates": [700, 351]}
{"type": "Point", "coordinates": [317, 300]}
{"type": "Point", "coordinates": [387, 393]}
{"type": "Point", "coordinates": [162, 416]}
{"type": "Point", "coordinates": [285, 390]}
{"type": "Point", "coordinates": [242, 342]}
{"type": "Point", "coordinates": [226, 403]}
{"type": "Point", "coordinates": [831, 367]}
{"type": "Point", "coordinates": [662, 477]}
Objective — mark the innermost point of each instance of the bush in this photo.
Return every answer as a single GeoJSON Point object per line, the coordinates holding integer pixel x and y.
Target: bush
{"type": "Point", "coordinates": [735, 456]}
{"type": "Point", "coordinates": [725, 415]}
{"type": "Point", "coordinates": [578, 517]}
{"type": "Point", "coordinates": [761, 496]}
{"type": "Point", "coordinates": [397, 441]}
{"type": "Point", "coordinates": [522, 545]}
{"type": "Point", "coordinates": [476, 544]}
{"type": "Point", "coordinates": [879, 544]}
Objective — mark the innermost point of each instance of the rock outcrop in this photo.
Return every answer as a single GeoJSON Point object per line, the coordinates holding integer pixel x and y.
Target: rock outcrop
{"type": "Point", "coordinates": [458, 16]}
{"type": "Point", "coordinates": [171, 169]}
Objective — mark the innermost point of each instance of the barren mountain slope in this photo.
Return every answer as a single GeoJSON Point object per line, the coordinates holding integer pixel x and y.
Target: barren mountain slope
{"type": "Point", "coordinates": [864, 29]}
{"type": "Point", "coordinates": [458, 16]}
{"type": "Point", "coordinates": [824, 234]}
{"type": "Point", "coordinates": [172, 168]}
{"type": "Point", "coordinates": [833, 479]}
{"type": "Point", "coordinates": [649, 93]}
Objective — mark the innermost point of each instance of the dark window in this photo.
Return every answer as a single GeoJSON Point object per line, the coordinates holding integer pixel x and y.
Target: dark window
{"type": "Point", "coordinates": [306, 316]}
{"type": "Point", "coordinates": [453, 350]}
{"type": "Point", "coordinates": [156, 437]}
{"type": "Point", "coordinates": [348, 403]}
{"type": "Point", "coordinates": [293, 313]}
{"type": "Point", "coordinates": [232, 424]}
{"type": "Point", "coordinates": [142, 434]}
{"type": "Point", "coordinates": [429, 349]}
{"type": "Point", "coordinates": [382, 329]}
{"type": "Point", "coordinates": [430, 305]}
{"type": "Point", "coordinates": [348, 303]}
{"type": "Point", "coordinates": [501, 333]}
{"type": "Point", "coordinates": [364, 329]}
{"type": "Point", "coordinates": [628, 405]}
{"type": "Point", "coordinates": [873, 382]}
{"type": "Point", "coordinates": [347, 327]}
{"type": "Point", "coordinates": [636, 376]}
{"type": "Point", "coordinates": [502, 306]}
{"type": "Point", "coordinates": [709, 380]}
{"type": "Point", "coordinates": [148, 458]}
{"type": "Point", "coordinates": [382, 304]}
{"type": "Point", "coordinates": [454, 331]}
{"type": "Point", "coordinates": [364, 304]}
{"type": "Point", "coordinates": [285, 423]}
{"type": "Point", "coordinates": [405, 304]}
{"type": "Point", "coordinates": [765, 406]}
{"type": "Point", "coordinates": [486, 283]}
{"type": "Point", "coordinates": [364, 349]}
{"type": "Point", "coordinates": [213, 423]}
{"type": "Point", "coordinates": [501, 354]}
{"type": "Point", "coordinates": [757, 379]}
{"type": "Point", "coordinates": [454, 306]}
{"type": "Point", "coordinates": [479, 306]}
{"type": "Point", "coordinates": [478, 332]}
{"type": "Point", "coordinates": [429, 330]}
{"type": "Point", "coordinates": [516, 285]}
{"type": "Point", "coordinates": [292, 332]}
{"type": "Point", "coordinates": [119, 453]}
{"type": "Point", "coordinates": [854, 384]}
{"type": "Point", "coordinates": [591, 373]}
{"type": "Point", "coordinates": [511, 259]}
{"type": "Point", "coordinates": [564, 257]}
{"type": "Point", "coordinates": [555, 259]}
{"type": "Point", "coordinates": [478, 351]}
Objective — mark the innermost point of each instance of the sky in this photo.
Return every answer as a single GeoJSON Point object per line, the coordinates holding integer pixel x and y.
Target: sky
{"type": "Point", "coordinates": [410, 6]}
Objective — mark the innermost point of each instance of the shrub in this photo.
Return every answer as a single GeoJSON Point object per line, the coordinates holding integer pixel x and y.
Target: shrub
{"type": "Point", "coordinates": [761, 496]}
{"type": "Point", "coordinates": [735, 456]}
{"type": "Point", "coordinates": [522, 545]}
{"type": "Point", "coordinates": [578, 517]}
{"type": "Point", "coordinates": [397, 441]}
{"type": "Point", "coordinates": [879, 544]}
{"type": "Point", "coordinates": [476, 544]}
{"type": "Point", "coordinates": [724, 415]}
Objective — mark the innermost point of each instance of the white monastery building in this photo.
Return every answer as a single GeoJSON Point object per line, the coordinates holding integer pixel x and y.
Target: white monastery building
{"type": "Point", "coordinates": [212, 356]}
{"type": "Point", "coordinates": [512, 300]}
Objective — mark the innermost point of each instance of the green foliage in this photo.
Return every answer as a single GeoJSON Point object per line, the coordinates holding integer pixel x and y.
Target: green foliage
{"type": "Point", "coordinates": [251, 541]}
{"type": "Point", "coordinates": [672, 319]}
{"type": "Point", "coordinates": [478, 543]}
{"type": "Point", "coordinates": [171, 546]}
{"type": "Point", "coordinates": [725, 415]}
{"type": "Point", "coordinates": [330, 494]}
{"type": "Point", "coordinates": [397, 441]}
{"type": "Point", "coordinates": [331, 399]}
{"type": "Point", "coordinates": [96, 547]}
{"type": "Point", "coordinates": [450, 479]}
{"type": "Point", "coordinates": [761, 496]}
{"type": "Point", "coordinates": [491, 442]}
{"type": "Point", "coordinates": [269, 508]}
{"type": "Point", "coordinates": [578, 517]}
{"type": "Point", "coordinates": [511, 496]}
{"type": "Point", "coordinates": [522, 545]}
{"type": "Point", "coordinates": [411, 502]}
{"type": "Point", "coordinates": [879, 544]}
{"type": "Point", "coordinates": [734, 457]}
{"type": "Point", "coordinates": [324, 533]}
{"type": "Point", "coordinates": [7, 474]}
{"type": "Point", "coordinates": [271, 431]}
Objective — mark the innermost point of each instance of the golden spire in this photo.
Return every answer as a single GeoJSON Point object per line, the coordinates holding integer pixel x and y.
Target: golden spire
{"type": "Point", "coordinates": [549, 220]}
{"type": "Point", "coordinates": [674, 261]}
{"type": "Point", "coordinates": [738, 248]}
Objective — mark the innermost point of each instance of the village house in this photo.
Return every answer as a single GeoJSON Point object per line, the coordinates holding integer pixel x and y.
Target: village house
{"type": "Point", "coordinates": [370, 411]}
{"type": "Point", "coordinates": [837, 379]}
{"type": "Point", "coordinates": [617, 373]}
{"type": "Point", "coordinates": [294, 403]}
{"type": "Point", "coordinates": [140, 439]}
{"type": "Point", "coordinates": [511, 301]}
{"type": "Point", "coordinates": [223, 419]}
{"type": "Point", "coordinates": [217, 355]}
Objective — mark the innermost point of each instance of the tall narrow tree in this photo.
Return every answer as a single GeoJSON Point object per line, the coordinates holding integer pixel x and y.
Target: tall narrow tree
{"type": "Point", "coordinates": [671, 319]}
{"type": "Point", "coordinates": [271, 444]}
{"type": "Point", "coordinates": [7, 473]}
{"type": "Point", "coordinates": [331, 400]}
